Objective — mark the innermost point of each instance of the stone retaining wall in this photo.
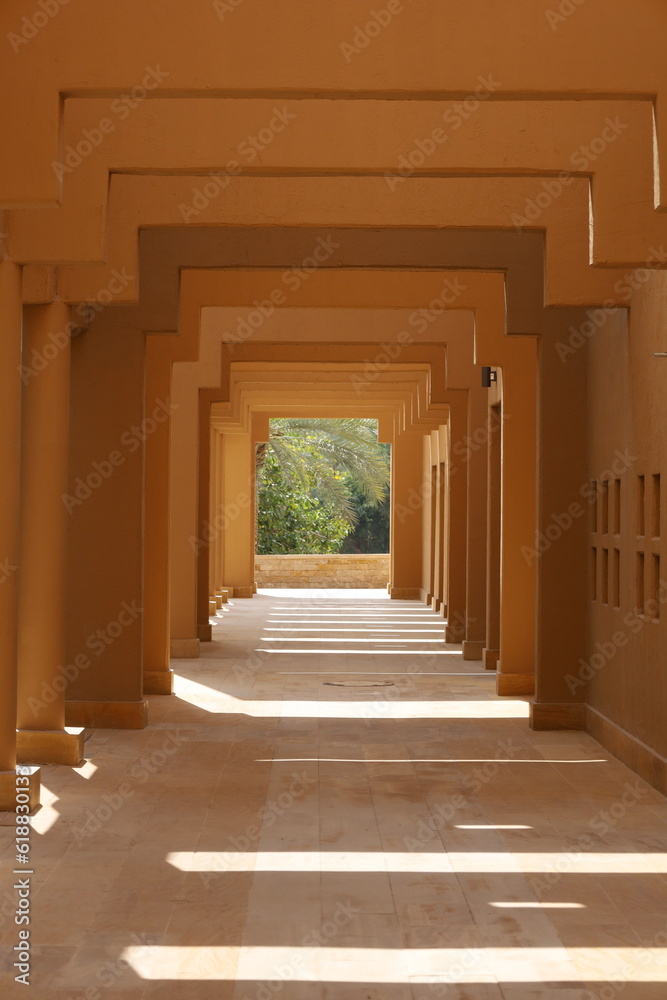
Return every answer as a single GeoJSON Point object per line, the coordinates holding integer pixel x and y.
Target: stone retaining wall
{"type": "Point", "coordinates": [345, 571]}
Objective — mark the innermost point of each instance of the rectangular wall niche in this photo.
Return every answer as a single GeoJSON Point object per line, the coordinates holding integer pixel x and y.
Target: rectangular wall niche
{"type": "Point", "coordinates": [605, 550]}
{"type": "Point", "coordinates": [648, 529]}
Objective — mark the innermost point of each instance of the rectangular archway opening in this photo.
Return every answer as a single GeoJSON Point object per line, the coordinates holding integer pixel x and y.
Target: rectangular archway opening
{"type": "Point", "coordinates": [322, 504]}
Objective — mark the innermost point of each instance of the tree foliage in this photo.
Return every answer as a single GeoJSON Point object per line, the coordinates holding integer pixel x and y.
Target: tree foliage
{"type": "Point", "coordinates": [292, 518]}
{"type": "Point", "coordinates": [371, 529]}
{"type": "Point", "coordinates": [316, 480]}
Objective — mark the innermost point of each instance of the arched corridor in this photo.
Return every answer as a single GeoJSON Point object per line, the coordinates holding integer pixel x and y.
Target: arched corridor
{"type": "Point", "coordinates": [447, 220]}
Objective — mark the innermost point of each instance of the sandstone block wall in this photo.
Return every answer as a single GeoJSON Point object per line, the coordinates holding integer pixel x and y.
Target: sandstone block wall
{"type": "Point", "coordinates": [345, 571]}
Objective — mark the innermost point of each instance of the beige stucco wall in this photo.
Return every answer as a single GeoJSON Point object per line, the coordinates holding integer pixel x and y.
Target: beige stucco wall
{"type": "Point", "coordinates": [345, 571]}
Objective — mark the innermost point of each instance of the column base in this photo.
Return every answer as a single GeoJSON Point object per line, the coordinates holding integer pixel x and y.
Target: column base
{"type": "Point", "coordinates": [223, 595]}
{"type": "Point", "coordinates": [158, 681]}
{"type": "Point", "coordinates": [515, 684]}
{"type": "Point", "coordinates": [405, 593]}
{"type": "Point", "coordinates": [490, 658]}
{"type": "Point", "coordinates": [442, 611]}
{"type": "Point", "coordinates": [217, 600]}
{"type": "Point", "coordinates": [435, 604]}
{"type": "Point", "coordinates": [57, 746]}
{"type": "Point", "coordinates": [8, 786]}
{"type": "Point", "coordinates": [205, 632]}
{"type": "Point", "coordinates": [244, 592]}
{"type": "Point", "coordinates": [212, 607]}
{"type": "Point", "coordinates": [472, 649]}
{"type": "Point", "coordinates": [184, 649]}
{"type": "Point", "coordinates": [557, 716]}
{"type": "Point", "coordinates": [107, 714]}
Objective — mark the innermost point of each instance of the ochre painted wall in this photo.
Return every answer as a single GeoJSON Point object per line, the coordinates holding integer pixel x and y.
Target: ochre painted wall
{"type": "Point", "coordinates": [627, 416]}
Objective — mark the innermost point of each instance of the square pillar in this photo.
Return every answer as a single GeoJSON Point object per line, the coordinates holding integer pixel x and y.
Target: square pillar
{"type": "Point", "coordinates": [494, 470]}
{"type": "Point", "coordinates": [457, 519]}
{"type": "Point", "coordinates": [42, 678]}
{"type": "Point", "coordinates": [108, 431]}
{"type": "Point", "coordinates": [184, 537]}
{"type": "Point", "coordinates": [238, 552]}
{"type": "Point", "coordinates": [158, 678]}
{"type": "Point", "coordinates": [561, 543]}
{"type": "Point", "coordinates": [518, 583]}
{"type": "Point", "coordinates": [476, 455]}
{"type": "Point", "coordinates": [10, 462]}
{"type": "Point", "coordinates": [409, 491]}
{"type": "Point", "coordinates": [206, 528]}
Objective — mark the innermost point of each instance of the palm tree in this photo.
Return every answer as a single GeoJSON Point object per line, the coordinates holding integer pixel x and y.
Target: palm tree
{"type": "Point", "coordinates": [326, 455]}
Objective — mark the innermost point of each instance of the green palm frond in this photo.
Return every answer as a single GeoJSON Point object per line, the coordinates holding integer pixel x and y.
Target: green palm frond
{"type": "Point", "coordinates": [323, 456]}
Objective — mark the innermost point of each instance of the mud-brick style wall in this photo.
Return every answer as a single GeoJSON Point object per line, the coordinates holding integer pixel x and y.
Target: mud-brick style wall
{"type": "Point", "coordinates": [345, 571]}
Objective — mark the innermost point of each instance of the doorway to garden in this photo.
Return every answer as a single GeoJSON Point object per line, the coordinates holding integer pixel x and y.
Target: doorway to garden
{"type": "Point", "coordinates": [323, 504]}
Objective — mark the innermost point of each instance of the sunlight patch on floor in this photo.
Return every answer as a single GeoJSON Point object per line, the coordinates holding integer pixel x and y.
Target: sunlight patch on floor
{"type": "Point", "coordinates": [441, 862]}
{"type": "Point", "coordinates": [397, 965]}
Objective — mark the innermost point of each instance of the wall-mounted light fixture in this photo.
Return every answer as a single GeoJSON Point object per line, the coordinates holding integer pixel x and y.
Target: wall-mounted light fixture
{"type": "Point", "coordinates": [489, 375]}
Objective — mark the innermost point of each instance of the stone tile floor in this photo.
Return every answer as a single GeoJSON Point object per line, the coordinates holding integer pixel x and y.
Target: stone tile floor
{"type": "Point", "coordinates": [334, 806]}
